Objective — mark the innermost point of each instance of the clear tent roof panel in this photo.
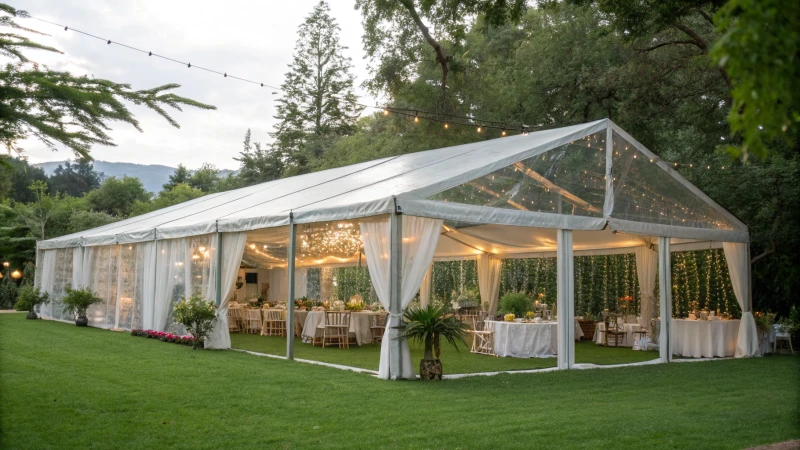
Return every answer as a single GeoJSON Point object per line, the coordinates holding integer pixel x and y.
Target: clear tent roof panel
{"type": "Point", "coordinates": [542, 165]}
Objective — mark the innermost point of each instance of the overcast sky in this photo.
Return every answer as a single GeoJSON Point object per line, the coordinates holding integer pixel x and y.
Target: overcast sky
{"type": "Point", "coordinates": [250, 39]}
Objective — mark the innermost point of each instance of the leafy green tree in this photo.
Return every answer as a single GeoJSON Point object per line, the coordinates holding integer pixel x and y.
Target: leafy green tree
{"type": "Point", "coordinates": [318, 101]}
{"type": "Point", "coordinates": [180, 176]}
{"type": "Point", "coordinates": [37, 214]}
{"type": "Point", "coordinates": [178, 194]}
{"type": "Point", "coordinates": [401, 34]}
{"type": "Point", "coordinates": [205, 178]}
{"type": "Point", "coordinates": [760, 50]}
{"type": "Point", "coordinates": [86, 220]}
{"type": "Point", "coordinates": [117, 196]}
{"type": "Point", "coordinates": [59, 107]}
{"type": "Point", "coordinates": [258, 165]}
{"type": "Point", "coordinates": [15, 177]}
{"type": "Point", "coordinates": [75, 179]}
{"type": "Point", "coordinates": [16, 244]}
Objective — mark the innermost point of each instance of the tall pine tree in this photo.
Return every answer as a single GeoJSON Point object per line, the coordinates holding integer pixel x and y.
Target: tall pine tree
{"type": "Point", "coordinates": [318, 102]}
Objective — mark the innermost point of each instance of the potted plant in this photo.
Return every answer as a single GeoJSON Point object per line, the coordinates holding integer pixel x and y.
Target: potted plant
{"type": "Point", "coordinates": [429, 325]}
{"type": "Point", "coordinates": [196, 314]}
{"type": "Point", "coordinates": [78, 301]}
{"type": "Point", "coordinates": [29, 298]}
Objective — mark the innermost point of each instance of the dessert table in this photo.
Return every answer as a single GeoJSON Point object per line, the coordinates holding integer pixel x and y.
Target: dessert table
{"type": "Point", "coordinates": [359, 326]}
{"type": "Point", "coordinates": [704, 338]}
{"type": "Point", "coordinates": [528, 339]}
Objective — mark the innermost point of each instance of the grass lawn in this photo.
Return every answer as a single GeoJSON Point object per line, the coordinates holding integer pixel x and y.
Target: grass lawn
{"type": "Point", "coordinates": [368, 356]}
{"type": "Point", "coordinates": [66, 387]}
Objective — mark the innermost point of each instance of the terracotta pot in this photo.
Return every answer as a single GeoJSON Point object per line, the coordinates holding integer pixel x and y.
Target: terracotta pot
{"type": "Point", "coordinates": [430, 369]}
{"type": "Point", "coordinates": [82, 321]}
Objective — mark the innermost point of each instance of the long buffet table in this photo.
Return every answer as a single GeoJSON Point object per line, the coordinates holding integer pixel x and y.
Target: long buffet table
{"type": "Point", "coordinates": [704, 338]}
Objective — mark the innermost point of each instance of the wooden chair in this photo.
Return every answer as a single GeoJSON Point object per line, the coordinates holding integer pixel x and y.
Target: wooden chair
{"type": "Point", "coordinates": [274, 323]}
{"type": "Point", "coordinates": [781, 336]}
{"type": "Point", "coordinates": [482, 341]}
{"type": "Point", "coordinates": [253, 322]}
{"type": "Point", "coordinates": [616, 331]}
{"type": "Point", "coordinates": [336, 329]}
{"type": "Point", "coordinates": [233, 322]}
{"type": "Point", "coordinates": [377, 326]}
{"type": "Point", "coordinates": [235, 316]}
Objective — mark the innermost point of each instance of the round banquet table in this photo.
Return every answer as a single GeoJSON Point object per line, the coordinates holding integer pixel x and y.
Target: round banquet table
{"type": "Point", "coordinates": [527, 339]}
{"type": "Point", "coordinates": [629, 328]}
{"type": "Point", "coordinates": [359, 326]}
{"type": "Point", "coordinates": [704, 338]}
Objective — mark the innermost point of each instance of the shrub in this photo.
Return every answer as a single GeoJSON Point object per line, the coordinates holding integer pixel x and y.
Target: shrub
{"type": "Point", "coordinates": [515, 303]}
{"type": "Point", "coordinates": [79, 300]}
{"type": "Point", "coordinates": [8, 294]}
{"type": "Point", "coordinates": [30, 297]}
{"type": "Point", "coordinates": [197, 315]}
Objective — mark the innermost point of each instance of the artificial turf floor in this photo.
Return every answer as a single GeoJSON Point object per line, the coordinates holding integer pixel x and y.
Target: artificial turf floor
{"type": "Point", "coordinates": [68, 387]}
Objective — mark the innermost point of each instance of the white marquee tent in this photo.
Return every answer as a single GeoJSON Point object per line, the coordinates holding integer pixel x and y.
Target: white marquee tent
{"type": "Point", "coordinates": [583, 189]}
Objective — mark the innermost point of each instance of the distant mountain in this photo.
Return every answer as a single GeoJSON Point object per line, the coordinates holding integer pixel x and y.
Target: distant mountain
{"type": "Point", "coordinates": [152, 176]}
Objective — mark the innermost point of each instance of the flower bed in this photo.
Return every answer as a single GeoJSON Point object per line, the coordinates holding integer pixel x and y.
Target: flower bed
{"type": "Point", "coordinates": [164, 336]}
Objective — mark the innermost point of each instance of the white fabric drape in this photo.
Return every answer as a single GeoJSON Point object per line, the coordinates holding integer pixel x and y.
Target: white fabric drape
{"type": "Point", "coordinates": [170, 260]}
{"type": "Point", "coordinates": [232, 251]}
{"type": "Point", "coordinates": [146, 282]}
{"type": "Point", "coordinates": [425, 288]}
{"type": "Point", "coordinates": [300, 283]}
{"type": "Point", "coordinates": [419, 240]}
{"type": "Point", "coordinates": [47, 280]}
{"type": "Point", "coordinates": [489, 282]}
{"type": "Point", "coordinates": [77, 267]}
{"type": "Point", "coordinates": [738, 259]}
{"type": "Point", "coordinates": [646, 268]}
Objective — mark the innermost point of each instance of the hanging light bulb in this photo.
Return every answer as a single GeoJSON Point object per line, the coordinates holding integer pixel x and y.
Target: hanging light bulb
{"type": "Point", "coordinates": [385, 111]}
{"type": "Point", "coordinates": [479, 129]}
{"type": "Point", "coordinates": [503, 133]}
{"type": "Point", "coordinates": [416, 117]}
{"type": "Point", "coordinates": [446, 126]}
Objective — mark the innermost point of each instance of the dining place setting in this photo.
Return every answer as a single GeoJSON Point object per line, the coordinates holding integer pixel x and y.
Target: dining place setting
{"type": "Point", "coordinates": [328, 323]}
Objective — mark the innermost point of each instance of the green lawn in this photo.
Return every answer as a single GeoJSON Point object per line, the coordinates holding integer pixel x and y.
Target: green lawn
{"type": "Point", "coordinates": [367, 356]}
{"type": "Point", "coordinates": [67, 387]}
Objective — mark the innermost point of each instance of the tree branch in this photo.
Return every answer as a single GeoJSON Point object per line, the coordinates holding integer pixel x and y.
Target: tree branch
{"type": "Point", "coordinates": [440, 56]}
{"type": "Point", "coordinates": [663, 44]}
{"type": "Point", "coordinates": [764, 254]}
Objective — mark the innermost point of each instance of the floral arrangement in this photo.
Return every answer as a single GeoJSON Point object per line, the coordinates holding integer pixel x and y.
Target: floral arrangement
{"type": "Point", "coordinates": [509, 317]}
{"type": "Point", "coordinates": [376, 306]}
{"type": "Point", "coordinates": [530, 315]}
{"type": "Point", "coordinates": [764, 321]}
{"type": "Point", "coordinates": [163, 336]}
{"type": "Point", "coordinates": [354, 307]}
{"type": "Point", "coordinates": [338, 305]}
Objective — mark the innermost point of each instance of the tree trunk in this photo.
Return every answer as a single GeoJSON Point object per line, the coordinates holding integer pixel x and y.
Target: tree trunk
{"type": "Point", "coordinates": [440, 56]}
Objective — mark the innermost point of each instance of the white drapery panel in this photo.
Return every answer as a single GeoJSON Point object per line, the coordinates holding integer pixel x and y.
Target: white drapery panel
{"type": "Point", "coordinates": [420, 236]}
{"type": "Point", "coordinates": [425, 288]}
{"type": "Point", "coordinates": [738, 259]}
{"type": "Point", "coordinates": [100, 272]}
{"type": "Point", "coordinates": [46, 281]}
{"type": "Point", "coordinates": [170, 279]}
{"type": "Point", "coordinates": [646, 268]}
{"type": "Point", "coordinates": [489, 281]}
{"type": "Point", "coordinates": [77, 267]}
{"type": "Point", "coordinates": [232, 251]}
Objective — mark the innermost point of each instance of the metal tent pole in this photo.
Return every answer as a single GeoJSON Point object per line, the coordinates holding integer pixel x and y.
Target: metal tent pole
{"type": "Point", "coordinates": [395, 282]}
{"type": "Point", "coordinates": [665, 299]}
{"type": "Point", "coordinates": [566, 304]}
{"type": "Point", "coordinates": [290, 288]}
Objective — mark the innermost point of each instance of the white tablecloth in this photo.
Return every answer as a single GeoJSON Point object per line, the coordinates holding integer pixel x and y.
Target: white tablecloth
{"type": "Point", "coordinates": [629, 328]}
{"type": "Point", "coordinates": [704, 338]}
{"type": "Point", "coordinates": [528, 340]}
{"type": "Point", "coordinates": [359, 326]}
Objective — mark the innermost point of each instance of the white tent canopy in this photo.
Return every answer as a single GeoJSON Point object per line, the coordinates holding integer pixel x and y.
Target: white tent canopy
{"type": "Point", "coordinates": [502, 198]}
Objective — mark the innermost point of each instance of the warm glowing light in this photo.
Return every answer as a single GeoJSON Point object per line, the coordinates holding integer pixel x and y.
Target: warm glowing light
{"type": "Point", "coordinates": [446, 126]}
{"type": "Point", "coordinates": [202, 249]}
{"type": "Point", "coordinates": [252, 246]}
{"type": "Point", "coordinates": [16, 275]}
{"type": "Point", "coordinates": [479, 129]}
{"type": "Point", "coordinates": [385, 112]}
{"type": "Point", "coordinates": [416, 119]}
{"type": "Point", "coordinates": [5, 263]}
{"type": "Point", "coordinates": [503, 133]}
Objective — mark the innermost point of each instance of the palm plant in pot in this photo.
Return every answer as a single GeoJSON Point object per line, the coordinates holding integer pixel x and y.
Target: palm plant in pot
{"type": "Point", "coordinates": [29, 298]}
{"type": "Point", "coordinates": [429, 325]}
{"type": "Point", "coordinates": [78, 301]}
